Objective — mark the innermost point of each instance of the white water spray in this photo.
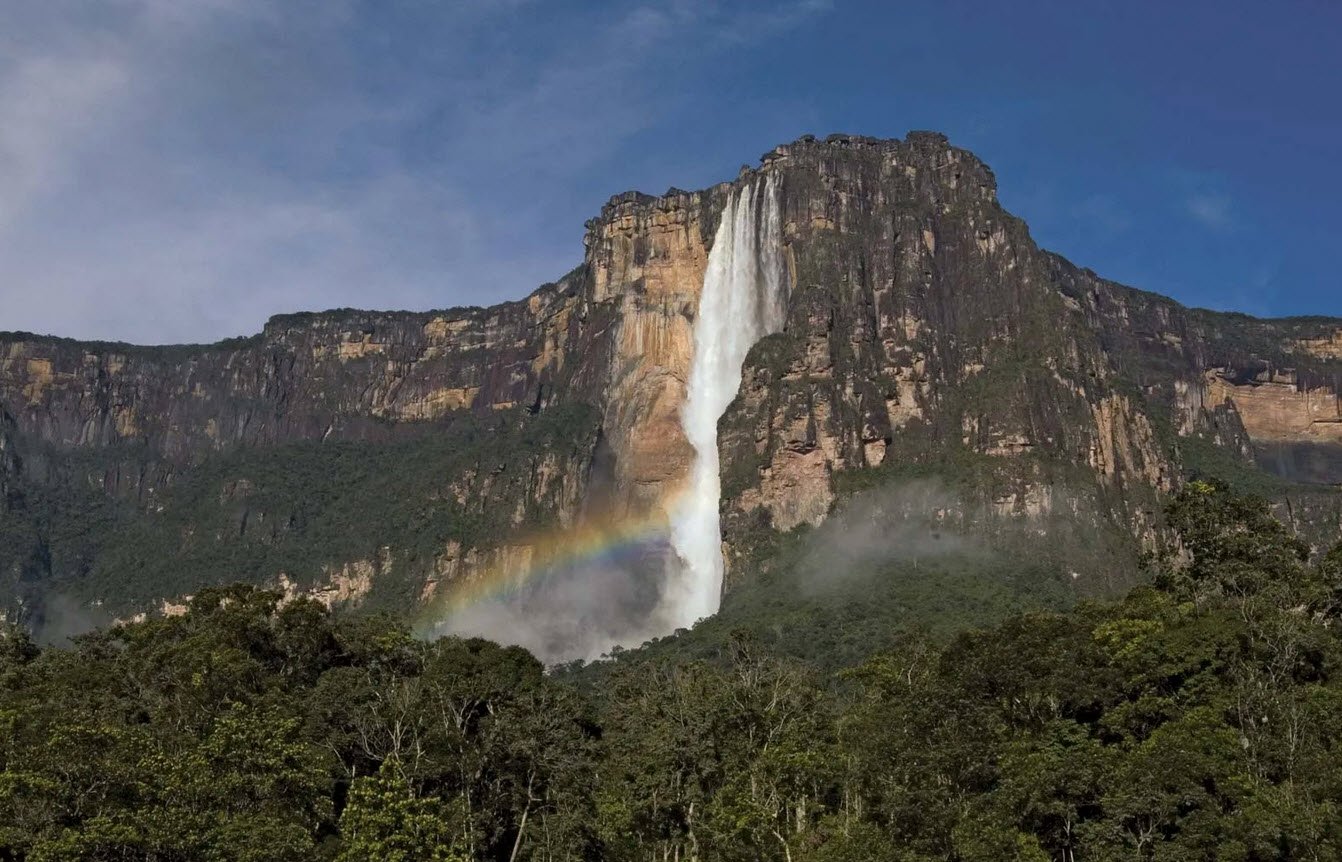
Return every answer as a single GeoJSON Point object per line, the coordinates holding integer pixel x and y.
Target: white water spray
{"type": "Point", "coordinates": [744, 299]}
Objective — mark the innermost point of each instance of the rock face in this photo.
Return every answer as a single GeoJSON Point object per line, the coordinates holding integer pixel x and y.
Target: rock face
{"type": "Point", "coordinates": [928, 330]}
{"type": "Point", "coordinates": [343, 373]}
{"type": "Point", "coordinates": [1275, 407]}
{"type": "Point", "coordinates": [646, 259]}
{"type": "Point", "coordinates": [10, 466]}
{"type": "Point", "coordinates": [927, 335]}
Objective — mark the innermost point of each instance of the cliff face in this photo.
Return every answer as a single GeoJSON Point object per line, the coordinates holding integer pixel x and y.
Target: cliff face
{"type": "Point", "coordinates": [927, 335]}
{"type": "Point", "coordinates": [645, 261]}
{"type": "Point", "coordinates": [11, 468]}
{"type": "Point", "coordinates": [928, 331]}
{"type": "Point", "coordinates": [348, 374]}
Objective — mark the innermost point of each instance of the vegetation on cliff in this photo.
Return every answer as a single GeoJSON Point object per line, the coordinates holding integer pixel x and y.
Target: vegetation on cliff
{"type": "Point", "coordinates": [1199, 718]}
{"type": "Point", "coordinates": [304, 509]}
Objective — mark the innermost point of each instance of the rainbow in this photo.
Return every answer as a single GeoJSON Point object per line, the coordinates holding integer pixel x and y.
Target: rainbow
{"type": "Point", "coordinates": [602, 540]}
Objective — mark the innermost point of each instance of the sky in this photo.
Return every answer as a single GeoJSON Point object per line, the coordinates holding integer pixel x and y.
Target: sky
{"type": "Point", "coordinates": [180, 170]}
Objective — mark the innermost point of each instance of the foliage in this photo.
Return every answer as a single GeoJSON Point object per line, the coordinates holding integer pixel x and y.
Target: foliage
{"type": "Point", "coordinates": [247, 730]}
{"type": "Point", "coordinates": [384, 819]}
{"type": "Point", "coordinates": [1200, 718]}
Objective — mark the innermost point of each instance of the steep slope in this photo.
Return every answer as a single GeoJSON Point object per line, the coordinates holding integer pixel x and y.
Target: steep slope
{"type": "Point", "coordinates": [376, 457]}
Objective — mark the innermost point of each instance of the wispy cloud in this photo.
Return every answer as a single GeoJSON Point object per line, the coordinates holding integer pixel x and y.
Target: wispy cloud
{"type": "Point", "coordinates": [1210, 209]}
{"type": "Point", "coordinates": [181, 169]}
{"type": "Point", "coordinates": [49, 108]}
{"type": "Point", "coordinates": [1103, 212]}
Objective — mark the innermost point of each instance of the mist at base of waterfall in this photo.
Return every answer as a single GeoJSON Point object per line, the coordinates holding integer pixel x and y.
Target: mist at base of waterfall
{"type": "Point", "coordinates": [577, 612]}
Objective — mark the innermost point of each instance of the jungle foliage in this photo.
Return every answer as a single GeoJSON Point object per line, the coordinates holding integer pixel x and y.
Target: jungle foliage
{"type": "Point", "coordinates": [1200, 718]}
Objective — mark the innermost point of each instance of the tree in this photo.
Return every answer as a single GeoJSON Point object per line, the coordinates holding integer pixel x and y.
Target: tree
{"type": "Point", "coordinates": [1232, 546]}
{"type": "Point", "coordinates": [385, 820]}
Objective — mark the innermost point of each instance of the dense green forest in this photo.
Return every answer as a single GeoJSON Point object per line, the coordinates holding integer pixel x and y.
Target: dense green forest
{"type": "Point", "coordinates": [1200, 718]}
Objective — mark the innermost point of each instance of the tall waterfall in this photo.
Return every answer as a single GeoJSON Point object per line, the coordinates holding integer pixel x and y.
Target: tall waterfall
{"type": "Point", "coordinates": [744, 299]}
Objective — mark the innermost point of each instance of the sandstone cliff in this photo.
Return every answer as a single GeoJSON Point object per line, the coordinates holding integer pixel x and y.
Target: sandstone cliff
{"type": "Point", "coordinates": [927, 335]}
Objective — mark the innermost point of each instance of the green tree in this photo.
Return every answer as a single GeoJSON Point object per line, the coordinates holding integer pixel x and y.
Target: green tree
{"type": "Point", "coordinates": [385, 820]}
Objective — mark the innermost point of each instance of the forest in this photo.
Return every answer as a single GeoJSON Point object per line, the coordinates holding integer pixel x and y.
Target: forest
{"type": "Point", "coordinates": [1198, 718]}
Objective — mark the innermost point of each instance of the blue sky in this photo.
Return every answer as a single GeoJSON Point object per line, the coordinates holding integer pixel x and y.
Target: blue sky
{"type": "Point", "coordinates": [179, 170]}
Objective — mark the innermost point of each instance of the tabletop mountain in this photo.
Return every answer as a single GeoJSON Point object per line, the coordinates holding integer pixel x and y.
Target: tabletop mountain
{"type": "Point", "coordinates": [381, 459]}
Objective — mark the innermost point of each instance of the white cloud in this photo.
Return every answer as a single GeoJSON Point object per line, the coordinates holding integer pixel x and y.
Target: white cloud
{"type": "Point", "coordinates": [178, 170]}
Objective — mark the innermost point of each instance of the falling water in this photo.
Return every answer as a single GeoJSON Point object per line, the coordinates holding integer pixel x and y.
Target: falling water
{"type": "Point", "coordinates": [742, 301]}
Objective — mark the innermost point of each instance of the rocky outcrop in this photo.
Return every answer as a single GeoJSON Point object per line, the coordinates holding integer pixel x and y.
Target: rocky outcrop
{"type": "Point", "coordinates": [926, 334]}
{"type": "Point", "coordinates": [1276, 408]}
{"type": "Point", "coordinates": [647, 258]}
{"type": "Point", "coordinates": [1326, 346]}
{"type": "Point", "coordinates": [509, 562]}
{"type": "Point", "coordinates": [924, 322]}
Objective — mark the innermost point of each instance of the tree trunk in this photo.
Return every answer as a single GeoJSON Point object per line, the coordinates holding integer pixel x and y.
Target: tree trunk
{"type": "Point", "coordinates": [522, 827]}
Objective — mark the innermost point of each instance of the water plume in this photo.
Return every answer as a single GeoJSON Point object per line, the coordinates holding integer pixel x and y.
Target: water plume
{"type": "Point", "coordinates": [744, 299]}
{"type": "Point", "coordinates": [615, 580]}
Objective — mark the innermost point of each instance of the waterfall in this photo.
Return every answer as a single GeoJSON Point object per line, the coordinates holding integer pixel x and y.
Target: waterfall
{"type": "Point", "coordinates": [744, 299]}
